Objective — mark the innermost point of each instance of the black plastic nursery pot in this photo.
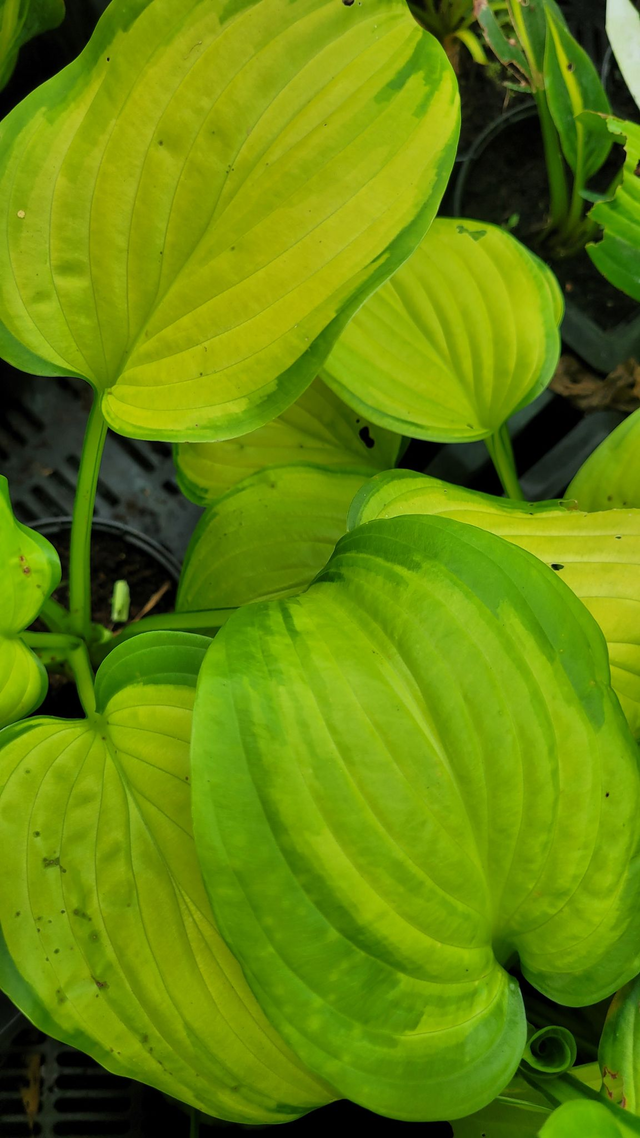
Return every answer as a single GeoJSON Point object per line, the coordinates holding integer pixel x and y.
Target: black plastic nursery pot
{"type": "Point", "coordinates": [504, 181]}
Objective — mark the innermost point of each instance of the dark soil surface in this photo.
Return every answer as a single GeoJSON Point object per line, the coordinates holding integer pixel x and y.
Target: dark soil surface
{"type": "Point", "coordinates": [114, 558]}
{"type": "Point", "coordinates": [483, 96]}
{"type": "Point", "coordinates": [507, 184]}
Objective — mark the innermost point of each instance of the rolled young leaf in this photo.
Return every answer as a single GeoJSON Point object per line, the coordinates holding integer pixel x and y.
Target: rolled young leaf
{"type": "Point", "coordinates": [267, 537]}
{"type": "Point", "coordinates": [550, 1052]}
{"type": "Point", "coordinates": [20, 21]}
{"type": "Point", "coordinates": [610, 477]}
{"type": "Point", "coordinates": [616, 255]}
{"type": "Point", "coordinates": [110, 944]}
{"type": "Point", "coordinates": [29, 572]}
{"type": "Point", "coordinates": [318, 428]}
{"type": "Point", "coordinates": [404, 779]}
{"type": "Point", "coordinates": [572, 86]}
{"type": "Point", "coordinates": [596, 554]}
{"type": "Point", "coordinates": [198, 204]}
{"type": "Point", "coordinates": [462, 336]}
{"type": "Point", "coordinates": [623, 31]}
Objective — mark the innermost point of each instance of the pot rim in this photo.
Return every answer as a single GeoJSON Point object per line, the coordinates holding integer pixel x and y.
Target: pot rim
{"type": "Point", "coordinates": [48, 526]}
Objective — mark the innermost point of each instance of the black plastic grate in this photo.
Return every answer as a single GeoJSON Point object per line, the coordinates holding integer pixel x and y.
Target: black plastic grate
{"type": "Point", "coordinates": [41, 429]}
{"type": "Point", "coordinates": [71, 1096]}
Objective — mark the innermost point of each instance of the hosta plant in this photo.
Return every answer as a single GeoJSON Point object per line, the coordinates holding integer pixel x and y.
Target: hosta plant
{"type": "Point", "coordinates": [359, 819]}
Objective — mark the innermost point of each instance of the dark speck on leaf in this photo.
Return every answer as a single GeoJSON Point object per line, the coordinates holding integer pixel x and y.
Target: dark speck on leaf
{"type": "Point", "coordinates": [100, 983]}
{"type": "Point", "coordinates": [36, 833]}
{"type": "Point", "coordinates": [347, 3]}
{"type": "Point", "coordinates": [557, 567]}
{"type": "Point", "coordinates": [618, 537]}
{"type": "Point", "coordinates": [51, 862]}
{"type": "Point", "coordinates": [366, 438]}
{"type": "Point", "coordinates": [571, 67]}
{"type": "Point", "coordinates": [607, 794]}
{"type": "Point", "coordinates": [637, 170]}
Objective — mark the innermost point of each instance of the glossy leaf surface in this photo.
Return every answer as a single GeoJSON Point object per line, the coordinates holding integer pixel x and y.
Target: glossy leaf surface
{"type": "Point", "coordinates": [596, 554]}
{"type": "Point", "coordinates": [610, 477]}
{"type": "Point", "coordinates": [268, 537]}
{"type": "Point", "coordinates": [464, 334]}
{"type": "Point", "coordinates": [616, 255]}
{"type": "Point", "coordinates": [573, 86]}
{"type": "Point", "coordinates": [623, 31]}
{"type": "Point", "coordinates": [318, 428]}
{"type": "Point", "coordinates": [29, 572]}
{"type": "Point", "coordinates": [402, 779]}
{"type": "Point", "coordinates": [104, 915]}
{"type": "Point", "coordinates": [196, 206]}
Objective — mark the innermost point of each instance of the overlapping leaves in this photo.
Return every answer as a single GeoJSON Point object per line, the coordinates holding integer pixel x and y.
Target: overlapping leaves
{"type": "Point", "coordinates": [29, 572]}
{"type": "Point", "coordinates": [380, 837]}
{"type": "Point", "coordinates": [596, 554]}
{"type": "Point", "coordinates": [461, 336]}
{"type": "Point", "coordinates": [110, 943]}
{"type": "Point", "coordinates": [197, 205]}
{"type": "Point", "coordinates": [267, 537]}
{"type": "Point", "coordinates": [318, 429]}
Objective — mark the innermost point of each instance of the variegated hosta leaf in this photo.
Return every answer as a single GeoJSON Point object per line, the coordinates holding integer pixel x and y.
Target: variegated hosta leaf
{"type": "Point", "coordinates": [318, 428]}
{"type": "Point", "coordinates": [404, 780]}
{"type": "Point", "coordinates": [623, 30]}
{"type": "Point", "coordinates": [596, 555]}
{"type": "Point", "coordinates": [197, 205]}
{"type": "Point", "coordinates": [29, 572]}
{"type": "Point", "coordinates": [616, 255]}
{"type": "Point", "coordinates": [572, 85]}
{"type": "Point", "coordinates": [20, 21]}
{"type": "Point", "coordinates": [610, 477]}
{"type": "Point", "coordinates": [267, 537]}
{"type": "Point", "coordinates": [463, 334]}
{"type": "Point", "coordinates": [105, 918]}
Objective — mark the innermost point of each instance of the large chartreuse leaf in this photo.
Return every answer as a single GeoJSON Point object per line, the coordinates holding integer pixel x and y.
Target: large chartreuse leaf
{"type": "Point", "coordinates": [20, 21]}
{"type": "Point", "coordinates": [610, 477]}
{"type": "Point", "coordinates": [464, 334]}
{"type": "Point", "coordinates": [102, 907]}
{"type": "Point", "coordinates": [267, 537]}
{"type": "Point", "coordinates": [623, 30]}
{"type": "Point", "coordinates": [196, 206]}
{"type": "Point", "coordinates": [319, 428]}
{"type": "Point", "coordinates": [29, 572]}
{"type": "Point", "coordinates": [596, 554]}
{"type": "Point", "coordinates": [405, 779]}
{"type": "Point", "coordinates": [616, 255]}
{"type": "Point", "coordinates": [572, 85]}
